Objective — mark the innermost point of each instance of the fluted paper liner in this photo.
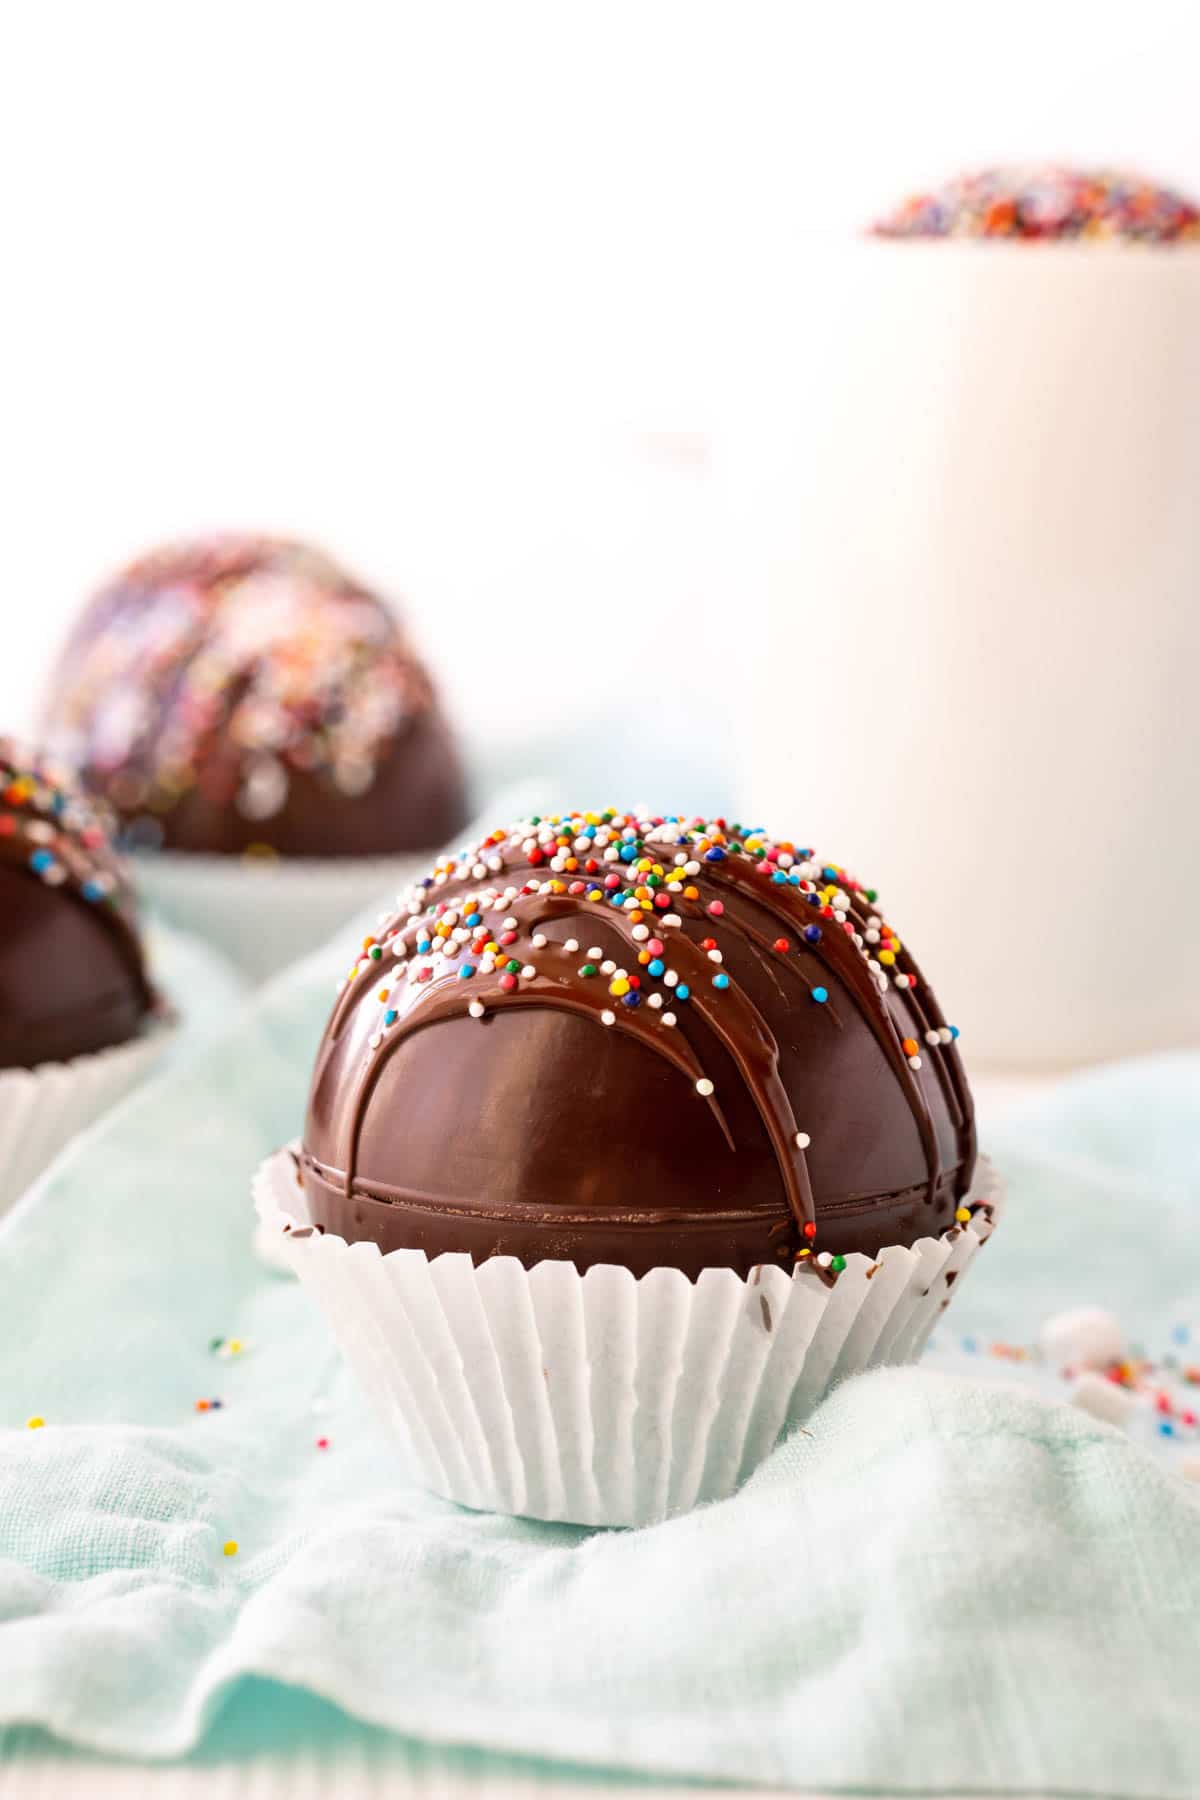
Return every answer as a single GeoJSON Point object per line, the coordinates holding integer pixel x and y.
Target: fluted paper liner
{"type": "Point", "coordinates": [601, 1399]}
{"type": "Point", "coordinates": [41, 1108]}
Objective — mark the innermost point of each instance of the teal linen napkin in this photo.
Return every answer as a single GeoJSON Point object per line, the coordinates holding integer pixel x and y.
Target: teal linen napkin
{"type": "Point", "coordinates": [941, 1583]}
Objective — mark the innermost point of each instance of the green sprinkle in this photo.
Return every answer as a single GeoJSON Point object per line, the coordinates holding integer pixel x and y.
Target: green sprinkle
{"type": "Point", "coordinates": [589, 969]}
{"type": "Point", "coordinates": [838, 1264]}
{"type": "Point", "coordinates": [512, 966]}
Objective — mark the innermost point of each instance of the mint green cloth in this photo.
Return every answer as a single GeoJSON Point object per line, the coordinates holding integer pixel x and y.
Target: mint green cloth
{"type": "Point", "coordinates": [943, 1583]}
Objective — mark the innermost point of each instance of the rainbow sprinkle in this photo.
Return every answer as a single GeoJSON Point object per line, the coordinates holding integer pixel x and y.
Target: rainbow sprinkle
{"type": "Point", "coordinates": [1047, 203]}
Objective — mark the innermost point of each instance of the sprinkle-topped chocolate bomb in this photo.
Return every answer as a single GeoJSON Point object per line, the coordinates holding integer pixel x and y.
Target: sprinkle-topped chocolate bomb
{"type": "Point", "coordinates": [72, 979]}
{"type": "Point", "coordinates": [244, 694]}
{"type": "Point", "coordinates": [1048, 202]}
{"type": "Point", "coordinates": [606, 1038]}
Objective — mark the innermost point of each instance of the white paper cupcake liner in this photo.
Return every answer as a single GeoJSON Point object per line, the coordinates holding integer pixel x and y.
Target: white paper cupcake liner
{"type": "Point", "coordinates": [601, 1399]}
{"type": "Point", "coordinates": [41, 1108]}
{"type": "Point", "coordinates": [265, 914]}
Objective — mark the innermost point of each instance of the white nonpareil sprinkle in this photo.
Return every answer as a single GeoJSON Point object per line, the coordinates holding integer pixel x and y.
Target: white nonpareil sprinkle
{"type": "Point", "coordinates": [539, 940]}
{"type": "Point", "coordinates": [655, 1001]}
{"type": "Point", "coordinates": [668, 1018]}
{"type": "Point", "coordinates": [671, 978]}
{"type": "Point", "coordinates": [704, 1086]}
{"type": "Point", "coordinates": [608, 966]}
{"type": "Point", "coordinates": [608, 1018]}
{"type": "Point", "coordinates": [571, 945]}
{"type": "Point", "coordinates": [802, 1140]}
{"type": "Point", "coordinates": [476, 1009]}
{"type": "Point", "coordinates": [594, 954]}
{"type": "Point", "coordinates": [528, 972]}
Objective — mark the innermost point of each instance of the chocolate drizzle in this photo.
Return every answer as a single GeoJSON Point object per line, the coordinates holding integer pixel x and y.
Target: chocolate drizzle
{"type": "Point", "coordinates": [425, 987]}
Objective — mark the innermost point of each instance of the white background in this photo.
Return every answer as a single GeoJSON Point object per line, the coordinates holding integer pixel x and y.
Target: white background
{"type": "Point", "coordinates": [459, 290]}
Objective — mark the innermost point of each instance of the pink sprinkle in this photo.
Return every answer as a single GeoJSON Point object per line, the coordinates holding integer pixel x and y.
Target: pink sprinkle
{"type": "Point", "coordinates": [508, 982]}
{"type": "Point", "coordinates": [662, 901]}
{"type": "Point", "coordinates": [612, 881]}
{"type": "Point", "coordinates": [508, 937]}
{"type": "Point", "coordinates": [424, 974]}
{"type": "Point", "coordinates": [322, 1443]}
{"type": "Point", "coordinates": [772, 854]}
{"type": "Point", "coordinates": [577, 887]}
{"type": "Point", "coordinates": [716, 908]}
{"type": "Point", "coordinates": [654, 946]}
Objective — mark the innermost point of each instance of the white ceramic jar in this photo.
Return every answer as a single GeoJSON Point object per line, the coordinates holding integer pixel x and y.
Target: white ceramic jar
{"type": "Point", "coordinates": [962, 522]}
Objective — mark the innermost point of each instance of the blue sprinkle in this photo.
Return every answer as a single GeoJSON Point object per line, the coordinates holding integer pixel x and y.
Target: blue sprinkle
{"type": "Point", "coordinates": [793, 881]}
{"type": "Point", "coordinates": [1165, 1428]}
{"type": "Point", "coordinates": [812, 934]}
{"type": "Point", "coordinates": [423, 946]}
{"type": "Point", "coordinates": [215, 1405]}
{"type": "Point", "coordinates": [820, 995]}
{"type": "Point", "coordinates": [632, 998]}
{"type": "Point", "coordinates": [1181, 1334]}
{"type": "Point", "coordinates": [829, 874]}
{"type": "Point", "coordinates": [954, 1031]}
{"type": "Point", "coordinates": [627, 852]}
{"type": "Point", "coordinates": [91, 890]}
{"type": "Point", "coordinates": [466, 972]}
{"type": "Point", "coordinates": [970, 1344]}
{"type": "Point", "coordinates": [389, 1017]}
{"type": "Point", "coordinates": [813, 899]}
{"type": "Point", "coordinates": [427, 882]}
{"type": "Point", "coordinates": [41, 860]}
{"type": "Point", "coordinates": [716, 854]}
{"type": "Point", "coordinates": [778, 875]}
{"type": "Point", "coordinates": [720, 981]}
{"type": "Point", "coordinates": [589, 831]}
{"type": "Point", "coordinates": [658, 966]}
{"type": "Point", "coordinates": [473, 919]}
{"type": "Point", "coordinates": [683, 992]}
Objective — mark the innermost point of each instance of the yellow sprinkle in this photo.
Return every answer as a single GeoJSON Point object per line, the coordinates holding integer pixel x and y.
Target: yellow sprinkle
{"type": "Point", "coordinates": [801, 1253]}
{"type": "Point", "coordinates": [962, 1215]}
{"type": "Point", "coordinates": [235, 1346]}
{"type": "Point", "coordinates": [230, 1547]}
{"type": "Point", "coordinates": [619, 986]}
{"type": "Point", "coordinates": [644, 865]}
{"type": "Point", "coordinates": [36, 1423]}
{"type": "Point", "coordinates": [594, 894]}
{"type": "Point", "coordinates": [887, 956]}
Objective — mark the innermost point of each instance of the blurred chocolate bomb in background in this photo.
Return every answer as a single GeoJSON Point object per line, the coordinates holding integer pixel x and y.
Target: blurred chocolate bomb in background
{"type": "Point", "coordinates": [244, 694]}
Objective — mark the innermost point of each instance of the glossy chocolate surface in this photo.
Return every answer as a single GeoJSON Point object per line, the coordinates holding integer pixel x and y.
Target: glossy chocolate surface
{"type": "Point", "coordinates": [573, 1118]}
{"type": "Point", "coordinates": [72, 978]}
{"type": "Point", "coordinates": [246, 695]}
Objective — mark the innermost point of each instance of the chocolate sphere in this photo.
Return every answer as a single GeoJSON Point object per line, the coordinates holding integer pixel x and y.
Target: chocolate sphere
{"type": "Point", "coordinates": [72, 978]}
{"type": "Point", "coordinates": [642, 1041]}
{"type": "Point", "coordinates": [247, 695]}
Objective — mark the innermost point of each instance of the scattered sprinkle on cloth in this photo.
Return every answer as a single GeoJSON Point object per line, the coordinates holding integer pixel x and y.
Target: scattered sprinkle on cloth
{"type": "Point", "coordinates": [944, 1582]}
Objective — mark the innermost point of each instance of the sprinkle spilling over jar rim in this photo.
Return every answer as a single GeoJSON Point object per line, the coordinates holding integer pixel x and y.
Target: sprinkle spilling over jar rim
{"type": "Point", "coordinates": [1047, 203]}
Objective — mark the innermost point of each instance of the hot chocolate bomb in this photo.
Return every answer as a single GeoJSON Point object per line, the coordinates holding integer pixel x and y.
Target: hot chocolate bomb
{"type": "Point", "coordinates": [245, 694]}
{"type": "Point", "coordinates": [642, 1041]}
{"type": "Point", "coordinates": [72, 978]}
